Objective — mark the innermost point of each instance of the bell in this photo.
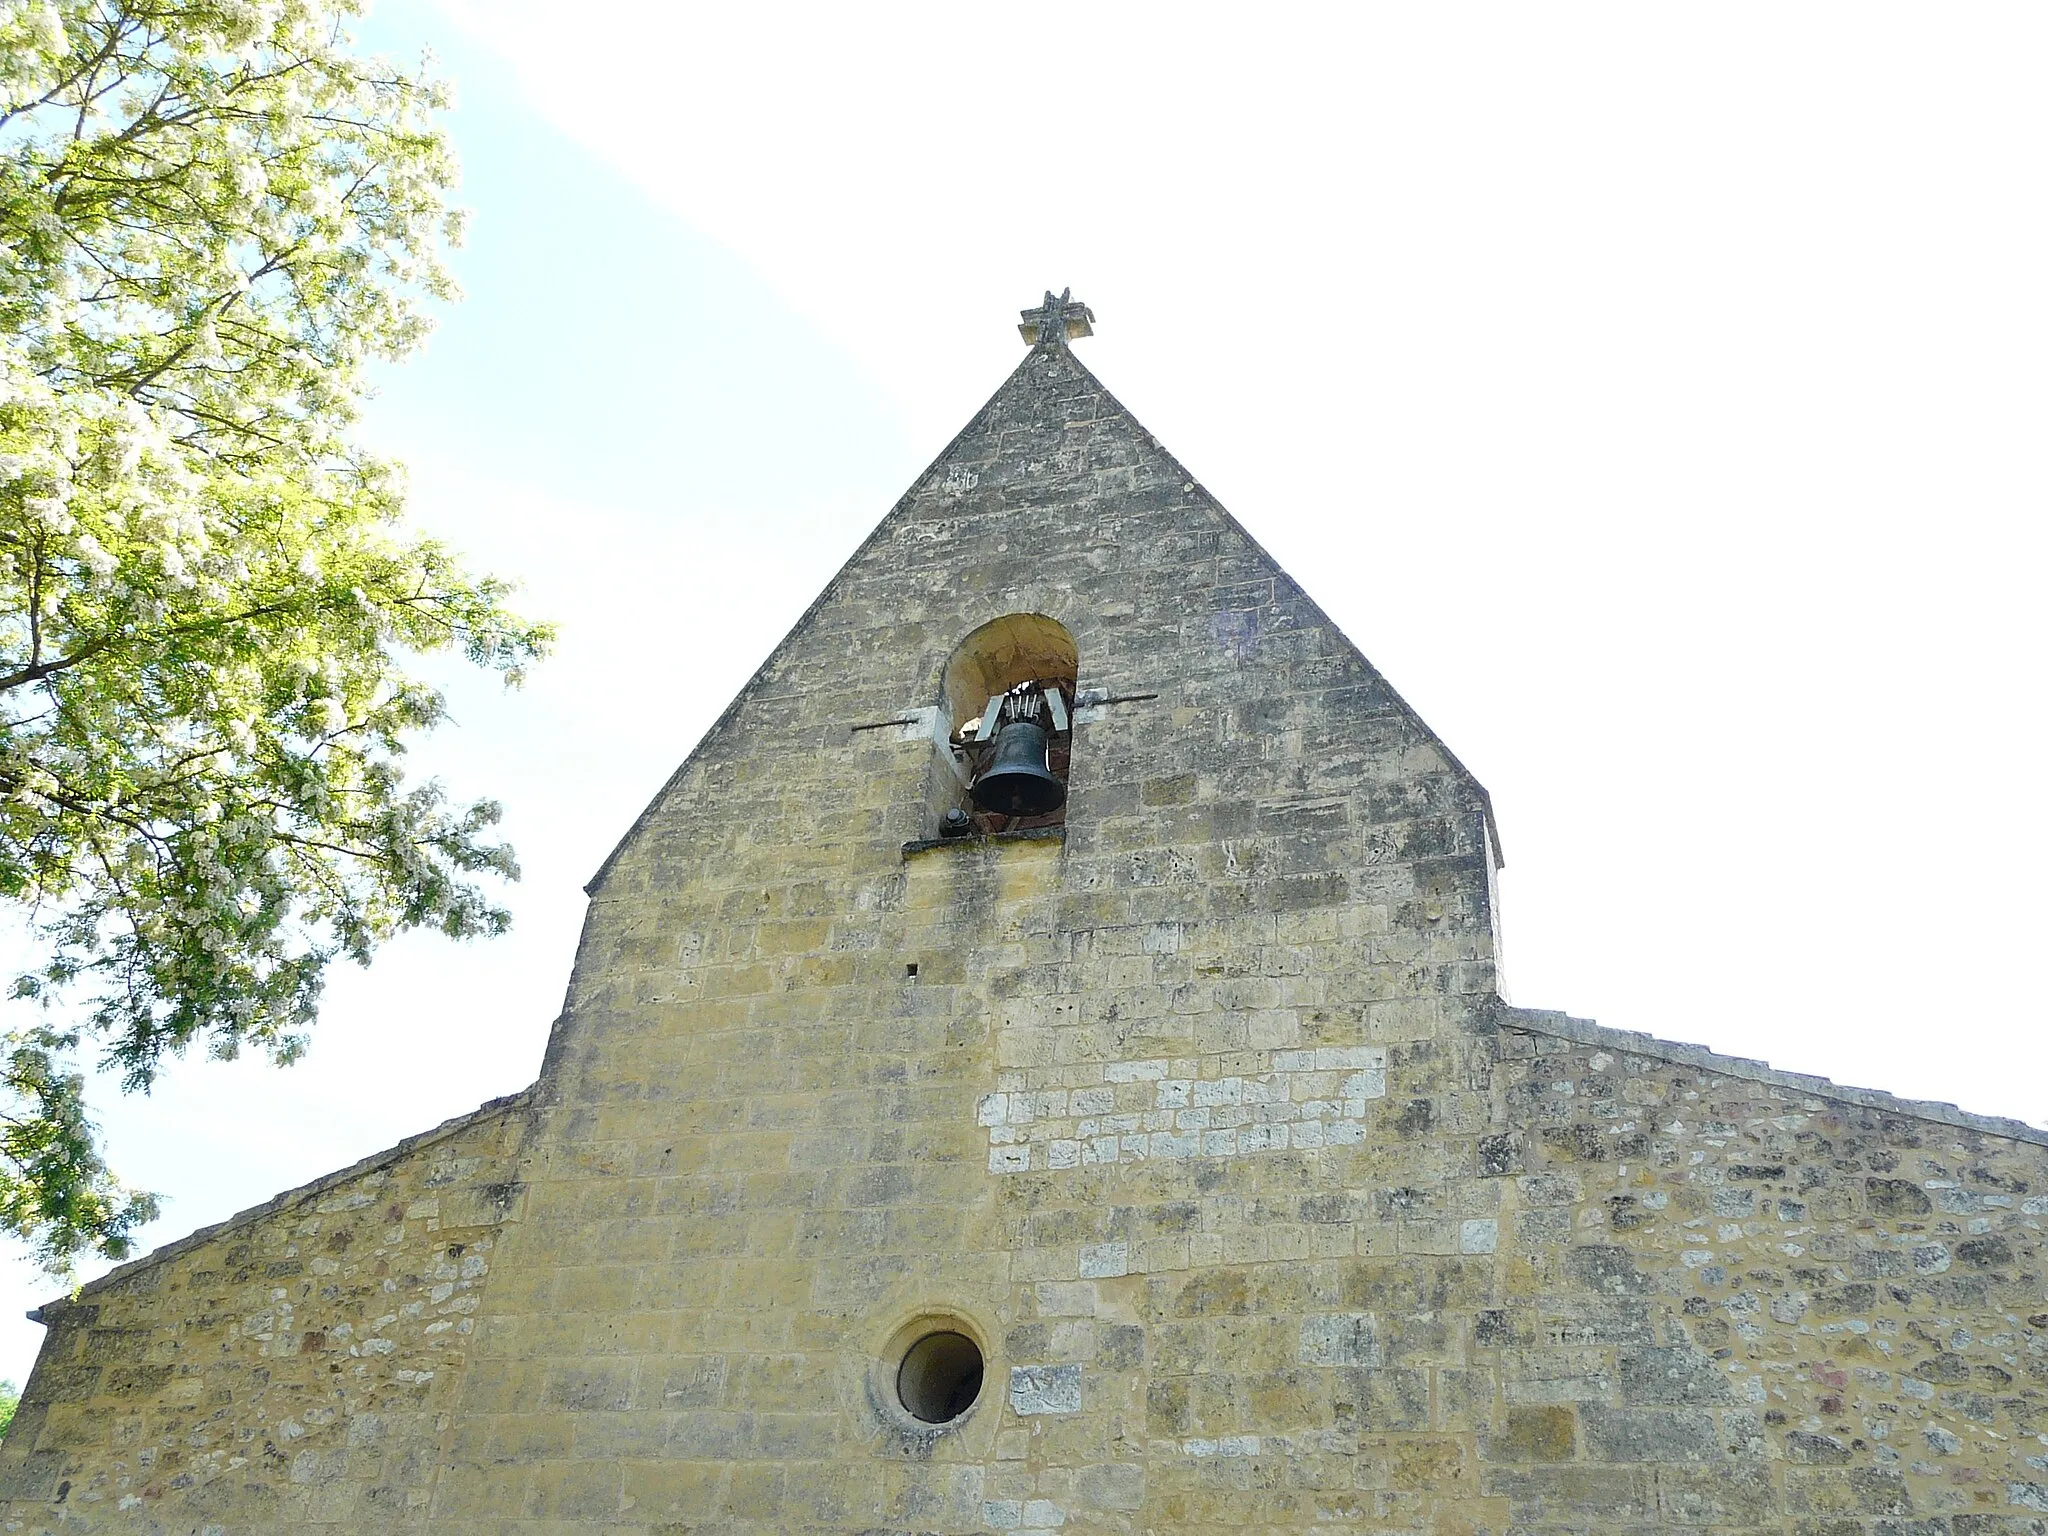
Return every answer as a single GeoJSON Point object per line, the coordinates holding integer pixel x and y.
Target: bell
{"type": "Point", "coordinates": [1016, 781]}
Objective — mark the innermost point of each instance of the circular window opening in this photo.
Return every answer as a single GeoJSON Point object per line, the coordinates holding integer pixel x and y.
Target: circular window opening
{"type": "Point", "coordinates": [940, 1377]}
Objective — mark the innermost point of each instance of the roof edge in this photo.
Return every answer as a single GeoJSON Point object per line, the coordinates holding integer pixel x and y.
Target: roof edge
{"type": "Point", "coordinates": [753, 683]}
{"type": "Point", "coordinates": [506, 1105]}
{"type": "Point", "coordinates": [1539, 1021]}
{"type": "Point", "coordinates": [1414, 716]}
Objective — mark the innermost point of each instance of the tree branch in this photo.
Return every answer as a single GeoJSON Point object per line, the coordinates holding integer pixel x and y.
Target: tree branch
{"type": "Point", "coordinates": [35, 672]}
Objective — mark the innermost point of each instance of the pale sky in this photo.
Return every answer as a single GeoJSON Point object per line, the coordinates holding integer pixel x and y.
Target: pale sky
{"type": "Point", "coordinates": [1654, 394]}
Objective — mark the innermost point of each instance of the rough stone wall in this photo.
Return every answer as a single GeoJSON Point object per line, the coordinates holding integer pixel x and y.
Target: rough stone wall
{"type": "Point", "coordinates": [1738, 1303]}
{"type": "Point", "coordinates": [290, 1369]}
{"type": "Point", "coordinates": [1201, 1114]}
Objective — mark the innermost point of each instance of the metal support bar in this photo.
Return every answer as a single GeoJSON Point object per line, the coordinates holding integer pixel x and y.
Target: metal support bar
{"type": "Point", "coordinates": [990, 719]}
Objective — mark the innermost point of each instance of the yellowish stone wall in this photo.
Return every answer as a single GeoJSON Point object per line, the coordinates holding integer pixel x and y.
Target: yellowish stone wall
{"type": "Point", "coordinates": [1732, 1299]}
{"type": "Point", "coordinates": [1700, 1301]}
{"type": "Point", "coordinates": [773, 1146]}
{"type": "Point", "coordinates": [289, 1370]}
{"type": "Point", "coordinates": [1202, 1114]}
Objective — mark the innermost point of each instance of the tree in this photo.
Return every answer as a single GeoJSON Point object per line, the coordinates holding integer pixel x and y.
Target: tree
{"type": "Point", "coordinates": [216, 218]}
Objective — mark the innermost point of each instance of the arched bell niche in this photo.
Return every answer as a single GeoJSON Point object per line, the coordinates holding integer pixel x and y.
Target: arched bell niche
{"type": "Point", "coordinates": [1019, 653]}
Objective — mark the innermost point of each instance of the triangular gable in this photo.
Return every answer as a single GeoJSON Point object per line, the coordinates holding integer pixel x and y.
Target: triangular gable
{"type": "Point", "coordinates": [1017, 417]}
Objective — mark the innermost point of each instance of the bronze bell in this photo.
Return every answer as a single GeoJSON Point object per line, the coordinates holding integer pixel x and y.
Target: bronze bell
{"type": "Point", "coordinates": [1016, 781]}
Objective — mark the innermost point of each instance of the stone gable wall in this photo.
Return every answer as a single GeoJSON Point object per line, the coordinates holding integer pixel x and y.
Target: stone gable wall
{"type": "Point", "coordinates": [1273, 882]}
{"type": "Point", "coordinates": [290, 1370]}
{"type": "Point", "coordinates": [1200, 1114]}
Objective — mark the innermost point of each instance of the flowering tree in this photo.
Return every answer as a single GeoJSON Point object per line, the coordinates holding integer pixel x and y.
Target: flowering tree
{"type": "Point", "coordinates": [213, 217]}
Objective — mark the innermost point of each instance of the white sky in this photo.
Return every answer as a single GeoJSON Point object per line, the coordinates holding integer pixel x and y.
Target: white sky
{"type": "Point", "coordinates": [1653, 393]}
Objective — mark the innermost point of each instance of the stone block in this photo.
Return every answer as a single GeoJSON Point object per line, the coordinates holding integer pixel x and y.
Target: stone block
{"type": "Point", "coordinates": [1037, 1389]}
{"type": "Point", "coordinates": [1346, 1338]}
{"type": "Point", "coordinates": [1535, 1434]}
{"type": "Point", "coordinates": [1670, 1374]}
{"type": "Point", "coordinates": [1674, 1436]}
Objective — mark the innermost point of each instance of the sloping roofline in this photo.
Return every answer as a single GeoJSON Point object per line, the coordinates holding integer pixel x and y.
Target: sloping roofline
{"type": "Point", "coordinates": [1562, 1026]}
{"type": "Point", "coordinates": [510, 1103]}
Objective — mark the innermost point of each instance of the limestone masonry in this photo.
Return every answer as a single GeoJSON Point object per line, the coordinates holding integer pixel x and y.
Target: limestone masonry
{"type": "Point", "coordinates": [1165, 1161]}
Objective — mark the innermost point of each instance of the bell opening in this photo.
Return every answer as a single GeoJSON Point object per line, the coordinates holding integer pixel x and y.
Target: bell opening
{"type": "Point", "coordinates": [1008, 694]}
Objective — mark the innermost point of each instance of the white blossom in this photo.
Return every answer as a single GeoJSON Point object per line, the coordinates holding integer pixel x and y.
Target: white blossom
{"type": "Point", "coordinates": [192, 535]}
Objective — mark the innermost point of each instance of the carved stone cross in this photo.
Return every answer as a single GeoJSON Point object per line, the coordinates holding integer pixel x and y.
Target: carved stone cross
{"type": "Point", "coordinates": [1057, 321]}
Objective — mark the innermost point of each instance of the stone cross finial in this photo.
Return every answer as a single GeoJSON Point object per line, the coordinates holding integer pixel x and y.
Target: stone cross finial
{"type": "Point", "coordinates": [1057, 321]}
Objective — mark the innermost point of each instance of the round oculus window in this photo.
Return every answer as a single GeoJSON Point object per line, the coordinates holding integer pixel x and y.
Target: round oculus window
{"type": "Point", "coordinates": [940, 1377]}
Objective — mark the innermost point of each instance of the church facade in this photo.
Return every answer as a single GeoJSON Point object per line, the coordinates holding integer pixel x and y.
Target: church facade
{"type": "Point", "coordinates": [1038, 1067]}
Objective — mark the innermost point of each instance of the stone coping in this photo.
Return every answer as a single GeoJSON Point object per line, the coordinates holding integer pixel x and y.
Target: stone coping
{"type": "Point", "coordinates": [191, 1240]}
{"type": "Point", "coordinates": [1585, 1032]}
